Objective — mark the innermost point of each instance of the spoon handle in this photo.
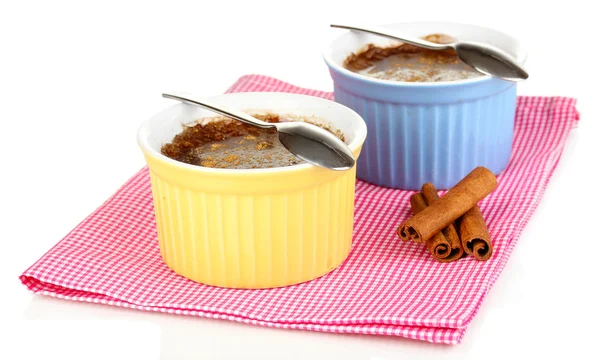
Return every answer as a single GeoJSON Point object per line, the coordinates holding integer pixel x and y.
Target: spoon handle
{"type": "Point", "coordinates": [220, 109]}
{"type": "Point", "coordinates": [413, 41]}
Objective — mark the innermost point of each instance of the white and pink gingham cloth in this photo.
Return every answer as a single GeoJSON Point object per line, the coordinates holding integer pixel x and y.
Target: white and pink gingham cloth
{"type": "Point", "coordinates": [386, 286]}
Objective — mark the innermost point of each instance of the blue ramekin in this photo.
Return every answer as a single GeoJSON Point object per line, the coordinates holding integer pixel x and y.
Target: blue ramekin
{"type": "Point", "coordinates": [428, 132]}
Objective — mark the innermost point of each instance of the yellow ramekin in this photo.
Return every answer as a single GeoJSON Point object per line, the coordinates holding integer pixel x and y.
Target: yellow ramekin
{"type": "Point", "coordinates": [257, 228]}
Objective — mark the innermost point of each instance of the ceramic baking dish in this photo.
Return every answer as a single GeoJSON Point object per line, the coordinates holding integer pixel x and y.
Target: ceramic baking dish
{"type": "Point", "coordinates": [428, 132]}
{"type": "Point", "coordinates": [256, 228]}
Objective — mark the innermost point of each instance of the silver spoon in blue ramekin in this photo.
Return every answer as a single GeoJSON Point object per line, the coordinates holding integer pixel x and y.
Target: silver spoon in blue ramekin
{"type": "Point", "coordinates": [309, 142]}
{"type": "Point", "coordinates": [486, 59]}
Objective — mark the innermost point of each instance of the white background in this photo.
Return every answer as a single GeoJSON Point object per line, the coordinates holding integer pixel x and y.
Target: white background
{"type": "Point", "coordinates": [77, 78]}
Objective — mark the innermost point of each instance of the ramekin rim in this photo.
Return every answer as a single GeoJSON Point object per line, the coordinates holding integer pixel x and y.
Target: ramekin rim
{"type": "Point", "coordinates": [354, 146]}
{"type": "Point", "coordinates": [327, 56]}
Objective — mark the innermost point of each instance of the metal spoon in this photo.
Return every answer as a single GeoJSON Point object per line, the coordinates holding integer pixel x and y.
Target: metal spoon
{"type": "Point", "coordinates": [486, 59]}
{"type": "Point", "coordinates": [309, 142]}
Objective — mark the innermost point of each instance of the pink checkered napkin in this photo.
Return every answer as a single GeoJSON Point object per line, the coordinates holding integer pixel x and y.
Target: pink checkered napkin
{"type": "Point", "coordinates": [386, 287]}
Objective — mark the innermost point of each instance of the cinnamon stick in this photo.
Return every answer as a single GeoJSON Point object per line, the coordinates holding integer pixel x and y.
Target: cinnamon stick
{"type": "Point", "coordinates": [455, 203]}
{"type": "Point", "coordinates": [444, 246]}
{"type": "Point", "coordinates": [430, 195]}
{"type": "Point", "coordinates": [474, 234]}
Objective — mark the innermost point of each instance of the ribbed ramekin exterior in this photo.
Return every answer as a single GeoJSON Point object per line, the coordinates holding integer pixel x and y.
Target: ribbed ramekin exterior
{"type": "Point", "coordinates": [429, 133]}
{"type": "Point", "coordinates": [411, 144]}
{"type": "Point", "coordinates": [254, 241]}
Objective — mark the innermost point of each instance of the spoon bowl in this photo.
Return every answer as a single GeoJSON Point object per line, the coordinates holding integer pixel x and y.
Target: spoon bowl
{"type": "Point", "coordinates": [308, 142]}
{"type": "Point", "coordinates": [490, 60]}
{"type": "Point", "coordinates": [299, 140]}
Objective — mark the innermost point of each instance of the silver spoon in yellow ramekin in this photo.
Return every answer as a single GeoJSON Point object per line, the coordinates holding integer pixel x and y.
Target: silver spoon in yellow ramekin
{"type": "Point", "coordinates": [309, 142]}
{"type": "Point", "coordinates": [486, 59]}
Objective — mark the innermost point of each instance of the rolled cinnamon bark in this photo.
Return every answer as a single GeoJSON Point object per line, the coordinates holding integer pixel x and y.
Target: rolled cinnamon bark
{"type": "Point", "coordinates": [474, 234]}
{"type": "Point", "coordinates": [444, 246]}
{"type": "Point", "coordinates": [455, 203]}
{"type": "Point", "coordinates": [429, 193]}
